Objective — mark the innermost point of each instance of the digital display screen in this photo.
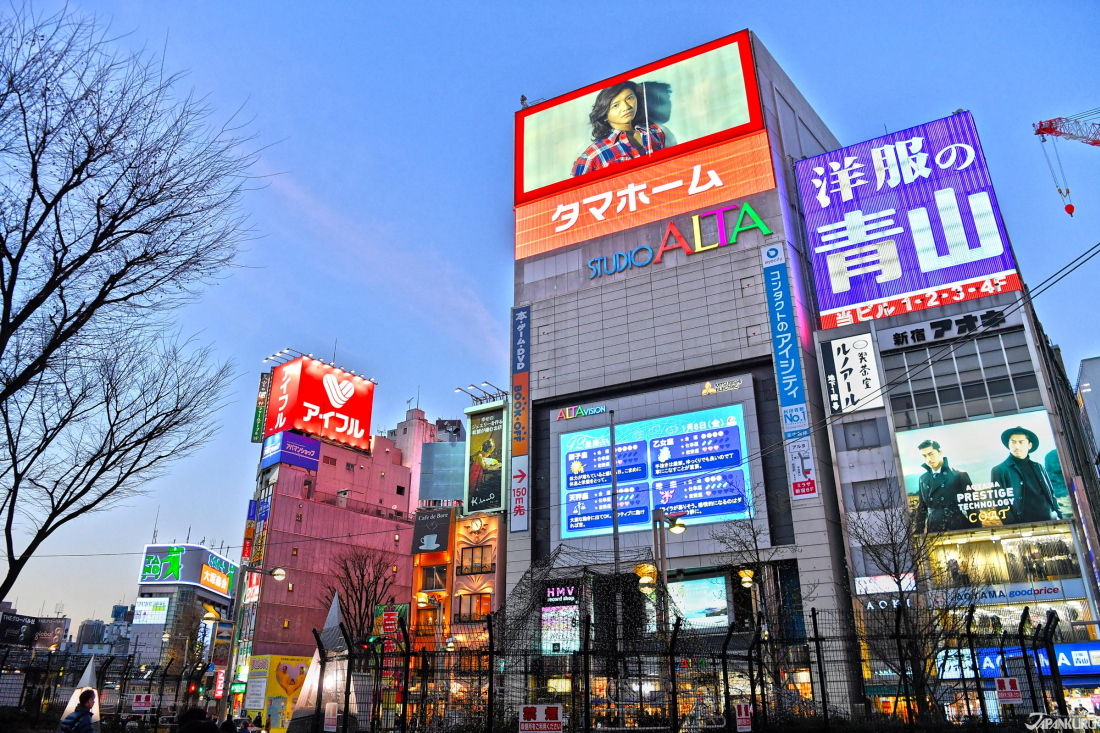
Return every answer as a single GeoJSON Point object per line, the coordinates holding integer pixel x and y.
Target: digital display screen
{"type": "Point", "coordinates": [984, 473]}
{"type": "Point", "coordinates": [700, 602]}
{"type": "Point", "coordinates": [560, 629]}
{"type": "Point", "coordinates": [692, 464]}
{"type": "Point", "coordinates": [151, 610]}
{"type": "Point", "coordinates": [678, 104]}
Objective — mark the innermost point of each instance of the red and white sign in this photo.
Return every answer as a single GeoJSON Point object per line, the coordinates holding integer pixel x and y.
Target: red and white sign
{"type": "Point", "coordinates": [539, 718]}
{"type": "Point", "coordinates": [219, 684]}
{"type": "Point", "coordinates": [252, 588]}
{"type": "Point", "coordinates": [518, 505]}
{"type": "Point", "coordinates": [330, 716]}
{"type": "Point", "coordinates": [322, 400]}
{"type": "Point", "coordinates": [144, 701]}
{"type": "Point", "coordinates": [744, 717]}
{"type": "Point", "coordinates": [1008, 691]}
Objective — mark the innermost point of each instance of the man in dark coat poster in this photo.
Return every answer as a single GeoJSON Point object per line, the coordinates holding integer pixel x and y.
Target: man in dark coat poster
{"type": "Point", "coordinates": [937, 499]}
{"type": "Point", "coordinates": [1033, 494]}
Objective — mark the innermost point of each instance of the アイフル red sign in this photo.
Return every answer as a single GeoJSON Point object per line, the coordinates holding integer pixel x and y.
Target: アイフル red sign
{"type": "Point", "coordinates": [319, 399]}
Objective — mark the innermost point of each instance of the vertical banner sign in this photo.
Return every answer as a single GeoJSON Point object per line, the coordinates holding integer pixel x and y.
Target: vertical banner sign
{"type": "Point", "coordinates": [261, 408]}
{"type": "Point", "coordinates": [485, 469]}
{"type": "Point", "coordinates": [518, 503]}
{"type": "Point", "coordinates": [788, 373]}
{"type": "Point", "coordinates": [851, 374]}
{"type": "Point", "coordinates": [249, 532]}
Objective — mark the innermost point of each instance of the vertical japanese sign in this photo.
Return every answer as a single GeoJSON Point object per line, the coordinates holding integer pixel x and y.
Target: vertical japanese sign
{"type": "Point", "coordinates": [851, 374]}
{"type": "Point", "coordinates": [905, 222]}
{"type": "Point", "coordinates": [788, 373]}
{"type": "Point", "coordinates": [261, 408]}
{"type": "Point", "coordinates": [249, 532]}
{"type": "Point", "coordinates": [518, 504]}
{"type": "Point", "coordinates": [485, 461]}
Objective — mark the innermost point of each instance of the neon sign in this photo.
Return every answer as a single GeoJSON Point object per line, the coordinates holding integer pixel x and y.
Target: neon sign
{"type": "Point", "coordinates": [568, 413]}
{"type": "Point", "coordinates": [644, 255]}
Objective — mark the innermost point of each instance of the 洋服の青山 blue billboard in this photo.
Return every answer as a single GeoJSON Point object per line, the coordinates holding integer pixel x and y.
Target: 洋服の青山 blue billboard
{"type": "Point", "coordinates": [1073, 659]}
{"type": "Point", "coordinates": [292, 449]}
{"type": "Point", "coordinates": [904, 222]}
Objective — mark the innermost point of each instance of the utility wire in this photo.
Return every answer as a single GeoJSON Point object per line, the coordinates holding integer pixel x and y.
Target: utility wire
{"type": "Point", "coordinates": [949, 348]}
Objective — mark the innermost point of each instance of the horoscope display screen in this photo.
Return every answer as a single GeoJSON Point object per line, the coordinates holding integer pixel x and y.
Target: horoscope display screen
{"type": "Point", "coordinates": [693, 465]}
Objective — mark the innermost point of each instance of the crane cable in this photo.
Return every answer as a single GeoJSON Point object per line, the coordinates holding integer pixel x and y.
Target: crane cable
{"type": "Point", "coordinates": [1057, 184]}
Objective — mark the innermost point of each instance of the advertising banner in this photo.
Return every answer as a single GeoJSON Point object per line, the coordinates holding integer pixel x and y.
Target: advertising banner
{"type": "Point", "coordinates": [50, 633]}
{"type": "Point", "coordinates": [485, 462]}
{"type": "Point", "coordinates": [386, 618]}
{"type": "Point", "coordinates": [851, 374]}
{"type": "Point", "coordinates": [255, 694]}
{"type": "Point", "coordinates": [946, 329]}
{"type": "Point", "coordinates": [321, 400]}
{"type": "Point", "coordinates": [692, 464]}
{"type": "Point", "coordinates": [518, 511]}
{"type": "Point", "coordinates": [432, 530]}
{"type": "Point", "coordinates": [151, 610]}
{"type": "Point", "coordinates": [261, 408]}
{"type": "Point", "coordinates": [520, 413]}
{"type": "Point", "coordinates": [188, 565]}
{"type": "Point", "coordinates": [905, 222]}
{"type": "Point", "coordinates": [798, 450]}
{"type": "Point", "coordinates": [292, 449]}
{"type": "Point", "coordinates": [17, 630]}
{"type": "Point", "coordinates": [984, 473]}
{"type": "Point", "coordinates": [1081, 658]}
{"type": "Point", "coordinates": [682, 103]}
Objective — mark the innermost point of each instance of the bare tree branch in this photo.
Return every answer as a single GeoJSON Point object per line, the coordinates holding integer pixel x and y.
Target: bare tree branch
{"type": "Point", "coordinates": [364, 578]}
{"type": "Point", "coordinates": [119, 202]}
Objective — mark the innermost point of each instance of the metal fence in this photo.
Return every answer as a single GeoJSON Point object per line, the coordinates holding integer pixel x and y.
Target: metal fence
{"type": "Point", "coordinates": [830, 676]}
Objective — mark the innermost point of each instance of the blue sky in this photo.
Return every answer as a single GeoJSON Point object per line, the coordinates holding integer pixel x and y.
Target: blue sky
{"type": "Point", "coordinates": [389, 225]}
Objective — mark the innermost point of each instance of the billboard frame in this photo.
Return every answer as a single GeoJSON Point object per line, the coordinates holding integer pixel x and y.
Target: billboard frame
{"type": "Point", "coordinates": [752, 94]}
{"type": "Point", "coordinates": [505, 456]}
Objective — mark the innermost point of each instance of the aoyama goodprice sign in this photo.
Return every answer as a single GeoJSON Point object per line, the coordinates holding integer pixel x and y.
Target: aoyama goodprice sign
{"type": "Point", "coordinates": [319, 399]}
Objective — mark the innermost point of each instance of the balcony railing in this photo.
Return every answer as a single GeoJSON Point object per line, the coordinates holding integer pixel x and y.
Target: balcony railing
{"type": "Point", "coordinates": [475, 568]}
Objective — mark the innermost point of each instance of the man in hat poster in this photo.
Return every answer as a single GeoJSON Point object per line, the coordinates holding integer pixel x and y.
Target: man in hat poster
{"type": "Point", "coordinates": [937, 498]}
{"type": "Point", "coordinates": [1031, 487]}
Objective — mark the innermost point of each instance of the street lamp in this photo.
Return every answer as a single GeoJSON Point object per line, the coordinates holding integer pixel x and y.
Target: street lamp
{"type": "Point", "coordinates": [746, 577]}
{"type": "Point", "coordinates": [279, 575]}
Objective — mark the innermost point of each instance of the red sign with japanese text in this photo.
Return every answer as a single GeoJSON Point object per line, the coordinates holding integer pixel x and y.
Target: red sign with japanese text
{"type": "Point", "coordinates": [541, 718]}
{"type": "Point", "coordinates": [319, 399]}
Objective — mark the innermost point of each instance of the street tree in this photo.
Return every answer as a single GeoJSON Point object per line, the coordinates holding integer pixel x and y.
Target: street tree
{"type": "Point", "coordinates": [364, 577]}
{"type": "Point", "coordinates": [916, 623]}
{"type": "Point", "coordinates": [119, 202]}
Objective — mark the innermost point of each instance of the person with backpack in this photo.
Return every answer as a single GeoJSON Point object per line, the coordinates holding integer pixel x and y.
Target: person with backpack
{"type": "Point", "coordinates": [80, 720]}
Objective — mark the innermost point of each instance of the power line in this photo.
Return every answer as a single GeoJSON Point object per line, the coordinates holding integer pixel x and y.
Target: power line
{"type": "Point", "coordinates": [1029, 296]}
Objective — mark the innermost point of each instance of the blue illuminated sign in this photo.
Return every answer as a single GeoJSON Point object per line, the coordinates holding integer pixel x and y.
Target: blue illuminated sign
{"type": "Point", "coordinates": [785, 349]}
{"type": "Point", "coordinates": [292, 449]}
{"type": "Point", "coordinates": [1078, 658]}
{"type": "Point", "coordinates": [691, 464]}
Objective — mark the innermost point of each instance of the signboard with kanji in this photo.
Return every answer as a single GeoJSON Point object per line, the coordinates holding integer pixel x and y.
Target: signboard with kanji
{"type": "Point", "coordinates": [1008, 691]}
{"type": "Point", "coordinates": [540, 719]}
{"type": "Point", "coordinates": [851, 374]}
{"type": "Point", "coordinates": [743, 713]}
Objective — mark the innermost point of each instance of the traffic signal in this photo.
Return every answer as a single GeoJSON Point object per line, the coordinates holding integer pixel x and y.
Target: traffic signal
{"type": "Point", "coordinates": [192, 688]}
{"type": "Point", "coordinates": [202, 690]}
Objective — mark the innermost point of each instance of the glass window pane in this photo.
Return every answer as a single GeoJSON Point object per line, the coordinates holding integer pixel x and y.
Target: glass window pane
{"type": "Point", "coordinates": [999, 387]}
{"type": "Point", "coordinates": [1032, 398]}
{"type": "Point", "coordinates": [953, 413]}
{"type": "Point", "coordinates": [967, 348]}
{"type": "Point", "coordinates": [901, 402]}
{"type": "Point", "coordinates": [929, 417]}
{"type": "Point", "coordinates": [949, 395]}
{"type": "Point", "coordinates": [905, 420]}
{"type": "Point", "coordinates": [996, 371]}
{"type": "Point", "coordinates": [1025, 382]}
{"type": "Point", "coordinates": [966, 362]}
{"type": "Point", "coordinates": [976, 407]}
{"type": "Point", "coordinates": [1005, 405]}
{"type": "Point", "coordinates": [943, 367]}
{"type": "Point", "coordinates": [973, 390]}
{"type": "Point", "coordinates": [893, 361]}
{"type": "Point", "coordinates": [1013, 338]}
{"type": "Point", "coordinates": [924, 399]}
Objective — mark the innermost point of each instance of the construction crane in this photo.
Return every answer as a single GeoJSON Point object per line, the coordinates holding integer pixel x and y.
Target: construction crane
{"type": "Point", "coordinates": [1079, 127]}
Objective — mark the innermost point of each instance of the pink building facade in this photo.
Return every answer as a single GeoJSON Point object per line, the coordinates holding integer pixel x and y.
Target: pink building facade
{"type": "Point", "coordinates": [353, 499]}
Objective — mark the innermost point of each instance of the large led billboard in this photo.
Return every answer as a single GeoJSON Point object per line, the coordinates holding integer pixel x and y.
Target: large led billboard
{"type": "Point", "coordinates": [692, 121]}
{"type": "Point", "coordinates": [905, 222]}
{"type": "Point", "coordinates": [984, 473]}
{"type": "Point", "coordinates": [152, 610]}
{"type": "Point", "coordinates": [700, 602]}
{"type": "Point", "coordinates": [692, 464]}
{"type": "Point", "coordinates": [485, 461]}
{"type": "Point", "coordinates": [188, 565]}
{"type": "Point", "coordinates": [321, 400]}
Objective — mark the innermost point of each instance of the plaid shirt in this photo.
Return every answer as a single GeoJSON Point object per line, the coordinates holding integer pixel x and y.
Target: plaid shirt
{"type": "Point", "coordinates": [617, 149]}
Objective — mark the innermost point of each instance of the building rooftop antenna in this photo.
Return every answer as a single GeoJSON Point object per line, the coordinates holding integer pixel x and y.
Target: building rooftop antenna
{"type": "Point", "coordinates": [155, 522]}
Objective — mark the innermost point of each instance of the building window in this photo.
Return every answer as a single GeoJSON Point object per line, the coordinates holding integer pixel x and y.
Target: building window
{"type": "Point", "coordinates": [476, 560]}
{"type": "Point", "coordinates": [348, 466]}
{"type": "Point", "coordinates": [474, 607]}
{"type": "Point", "coordinates": [328, 460]}
{"type": "Point", "coordinates": [294, 551]}
{"type": "Point", "coordinates": [404, 431]}
{"type": "Point", "coordinates": [875, 495]}
{"type": "Point", "coordinates": [290, 587]}
{"type": "Point", "coordinates": [286, 623]}
{"type": "Point", "coordinates": [426, 621]}
{"type": "Point", "coordinates": [298, 517]}
{"type": "Point", "coordinates": [433, 578]}
{"type": "Point", "coordinates": [400, 490]}
{"type": "Point", "coordinates": [861, 434]}
{"type": "Point", "coordinates": [991, 375]}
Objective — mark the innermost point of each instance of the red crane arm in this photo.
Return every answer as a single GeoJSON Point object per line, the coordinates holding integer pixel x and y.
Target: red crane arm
{"type": "Point", "coordinates": [1086, 132]}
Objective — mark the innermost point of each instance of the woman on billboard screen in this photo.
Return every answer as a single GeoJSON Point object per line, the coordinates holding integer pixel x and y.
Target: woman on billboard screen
{"type": "Point", "coordinates": [621, 128]}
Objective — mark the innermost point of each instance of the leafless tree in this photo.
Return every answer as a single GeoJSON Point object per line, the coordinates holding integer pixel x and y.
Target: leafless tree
{"type": "Point", "coordinates": [925, 600]}
{"type": "Point", "coordinates": [364, 577]}
{"type": "Point", "coordinates": [118, 203]}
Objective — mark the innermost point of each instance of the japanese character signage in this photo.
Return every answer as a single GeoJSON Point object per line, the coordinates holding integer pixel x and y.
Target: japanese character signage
{"type": "Point", "coordinates": [541, 719]}
{"type": "Point", "coordinates": [851, 374]}
{"type": "Point", "coordinates": [261, 408]}
{"type": "Point", "coordinates": [520, 419]}
{"type": "Point", "coordinates": [947, 328]}
{"type": "Point", "coordinates": [485, 461]}
{"type": "Point", "coordinates": [785, 346]}
{"type": "Point", "coordinates": [693, 464]}
{"type": "Point", "coordinates": [322, 400]}
{"type": "Point", "coordinates": [905, 222]}
{"type": "Point", "coordinates": [291, 449]}
{"type": "Point", "coordinates": [698, 116]}
{"type": "Point", "coordinates": [187, 565]}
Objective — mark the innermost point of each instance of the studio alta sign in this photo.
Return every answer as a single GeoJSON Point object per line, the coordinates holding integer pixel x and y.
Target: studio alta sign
{"type": "Point", "coordinates": [568, 413]}
{"type": "Point", "coordinates": [672, 240]}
